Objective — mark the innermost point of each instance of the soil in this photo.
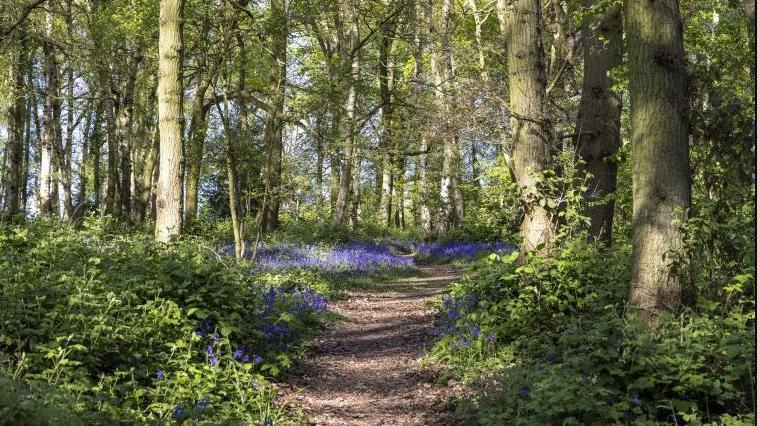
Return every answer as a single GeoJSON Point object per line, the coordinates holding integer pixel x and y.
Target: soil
{"type": "Point", "coordinates": [366, 369]}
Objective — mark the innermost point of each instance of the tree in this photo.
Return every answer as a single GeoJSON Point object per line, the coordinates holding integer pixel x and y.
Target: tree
{"type": "Point", "coordinates": [169, 191]}
{"type": "Point", "coordinates": [659, 137]}
{"type": "Point", "coordinates": [598, 125]}
{"type": "Point", "coordinates": [531, 152]}
{"type": "Point", "coordinates": [13, 176]}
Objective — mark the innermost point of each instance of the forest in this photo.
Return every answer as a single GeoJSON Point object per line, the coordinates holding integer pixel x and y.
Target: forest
{"type": "Point", "coordinates": [377, 212]}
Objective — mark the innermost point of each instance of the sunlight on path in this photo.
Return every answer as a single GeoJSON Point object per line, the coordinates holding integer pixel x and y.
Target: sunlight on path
{"type": "Point", "coordinates": [366, 370]}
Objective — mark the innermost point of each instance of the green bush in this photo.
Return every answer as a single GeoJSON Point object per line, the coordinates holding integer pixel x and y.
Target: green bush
{"type": "Point", "coordinates": [140, 332]}
{"type": "Point", "coordinates": [548, 341]}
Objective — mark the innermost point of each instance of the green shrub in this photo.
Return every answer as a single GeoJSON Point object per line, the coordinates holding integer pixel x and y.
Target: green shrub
{"type": "Point", "coordinates": [136, 331]}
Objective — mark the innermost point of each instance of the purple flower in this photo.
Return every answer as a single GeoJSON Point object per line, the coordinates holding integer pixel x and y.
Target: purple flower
{"type": "Point", "coordinates": [475, 331]}
{"type": "Point", "coordinates": [238, 354]}
{"type": "Point", "coordinates": [246, 358]}
{"type": "Point", "coordinates": [257, 359]}
{"type": "Point", "coordinates": [203, 403]}
{"type": "Point", "coordinates": [216, 336]}
{"type": "Point", "coordinates": [490, 337]}
{"type": "Point", "coordinates": [211, 351]}
{"type": "Point", "coordinates": [178, 412]}
{"type": "Point", "coordinates": [214, 361]}
{"type": "Point", "coordinates": [160, 374]}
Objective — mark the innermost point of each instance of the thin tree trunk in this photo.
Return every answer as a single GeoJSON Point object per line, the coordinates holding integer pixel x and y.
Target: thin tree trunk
{"type": "Point", "coordinates": [386, 143]}
{"type": "Point", "coordinates": [530, 130]}
{"type": "Point", "coordinates": [125, 130]}
{"type": "Point", "coordinates": [341, 214]}
{"type": "Point", "coordinates": [169, 191]}
{"type": "Point", "coordinates": [274, 120]}
{"type": "Point", "coordinates": [598, 126]}
{"type": "Point", "coordinates": [17, 107]}
{"type": "Point", "coordinates": [659, 137]}
{"type": "Point", "coordinates": [45, 203]}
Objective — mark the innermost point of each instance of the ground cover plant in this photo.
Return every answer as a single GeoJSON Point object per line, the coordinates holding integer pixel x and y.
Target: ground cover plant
{"type": "Point", "coordinates": [159, 334]}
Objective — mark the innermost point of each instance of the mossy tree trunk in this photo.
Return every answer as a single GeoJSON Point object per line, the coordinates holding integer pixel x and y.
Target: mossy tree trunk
{"type": "Point", "coordinates": [531, 151]}
{"type": "Point", "coordinates": [659, 137]}
{"type": "Point", "coordinates": [598, 124]}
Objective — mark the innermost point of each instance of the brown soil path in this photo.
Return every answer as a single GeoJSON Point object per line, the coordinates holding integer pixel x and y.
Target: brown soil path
{"type": "Point", "coordinates": [366, 371]}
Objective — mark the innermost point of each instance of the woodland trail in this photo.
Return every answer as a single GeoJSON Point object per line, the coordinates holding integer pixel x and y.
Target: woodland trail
{"type": "Point", "coordinates": [365, 370]}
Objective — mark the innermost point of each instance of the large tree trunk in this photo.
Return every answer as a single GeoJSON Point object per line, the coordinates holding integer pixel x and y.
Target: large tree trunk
{"type": "Point", "coordinates": [170, 94]}
{"type": "Point", "coordinates": [659, 137]}
{"type": "Point", "coordinates": [17, 107]}
{"type": "Point", "coordinates": [274, 121]}
{"type": "Point", "coordinates": [45, 201]}
{"type": "Point", "coordinates": [598, 125]}
{"type": "Point", "coordinates": [530, 131]}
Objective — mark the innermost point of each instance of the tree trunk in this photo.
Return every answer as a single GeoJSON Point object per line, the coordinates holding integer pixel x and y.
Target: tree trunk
{"type": "Point", "coordinates": [125, 127]}
{"type": "Point", "coordinates": [659, 137]}
{"type": "Point", "coordinates": [170, 94]}
{"type": "Point", "coordinates": [147, 175]}
{"type": "Point", "coordinates": [341, 214]}
{"type": "Point", "coordinates": [386, 143]}
{"type": "Point", "coordinates": [45, 203]}
{"type": "Point", "coordinates": [198, 127]}
{"type": "Point", "coordinates": [112, 143]}
{"type": "Point", "coordinates": [598, 124]}
{"type": "Point", "coordinates": [17, 107]}
{"type": "Point", "coordinates": [274, 120]}
{"type": "Point", "coordinates": [530, 130]}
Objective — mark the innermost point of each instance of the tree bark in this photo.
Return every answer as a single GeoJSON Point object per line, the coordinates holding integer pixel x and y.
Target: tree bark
{"type": "Point", "coordinates": [530, 130]}
{"type": "Point", "coordinates": [659, 137]}
{"type": "Point", "coordinates": [125, 127]}
{"type": "Point", "coordinates": [598, 124]}
{"type": "Point", "coordinates": [46, 201]}
{"type": "Point", "coordinates": [169, 191]}
{"type": "Point", "coordinates": [17, 107]}
{"type": "Point", "coordinates": [274, 121]}
{"type": "Point", "coordinates": [341, 210]}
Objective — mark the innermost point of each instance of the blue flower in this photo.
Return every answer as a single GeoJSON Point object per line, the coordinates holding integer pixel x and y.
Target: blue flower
{"type": "Point", "coordinates": [214, 361]}
{"type": "Point", "coordinates": [475, 332]}
{"type": "Point", "coordinates": [490, 337]}
{"type": "Point", "coordinates": [203, 403]}
{"type": "Point", "coordinates": [238, 354]}
{"type": "Point", "coordinates": [211, 351]}
{"type": "Point", "coordinates": [525, 392]}
{"type": "Point", "coordinates": [246, 358]}
{"type": "Point", "coordinates": [160, 374]}
{"type": "Point", "coordinates": [178, 412]}
{"type": "Point", "coordinates": [636, 400]}
{"type": "Point", "coordinates": [257, 359]}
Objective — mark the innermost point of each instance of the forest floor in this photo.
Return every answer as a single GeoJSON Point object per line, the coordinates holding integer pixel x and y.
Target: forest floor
{"type": "Point", "coordinates": [366, 369]}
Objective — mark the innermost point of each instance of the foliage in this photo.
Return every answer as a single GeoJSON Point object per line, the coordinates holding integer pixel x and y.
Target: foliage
{"type": "Point", "coordinates": [128, 329]}
{"type": "Point", "coordinates": [548, 340]}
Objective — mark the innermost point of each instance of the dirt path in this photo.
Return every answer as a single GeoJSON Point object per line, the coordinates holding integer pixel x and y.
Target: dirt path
{"type": "Point", "coordinates": [366, 371]}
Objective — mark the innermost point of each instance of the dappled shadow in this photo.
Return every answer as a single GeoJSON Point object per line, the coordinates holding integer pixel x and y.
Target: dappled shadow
{"type": "Point", "coordinates": [366, 370]}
